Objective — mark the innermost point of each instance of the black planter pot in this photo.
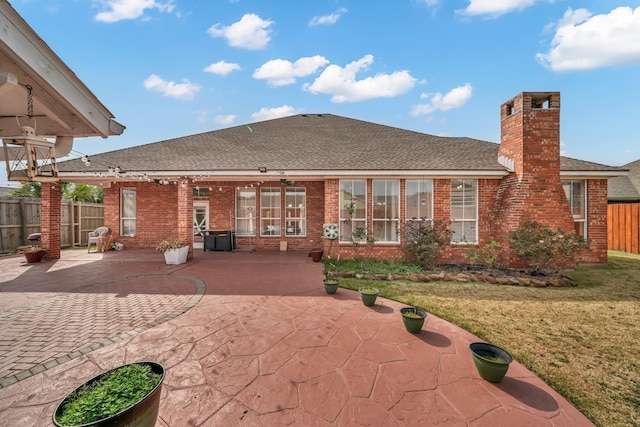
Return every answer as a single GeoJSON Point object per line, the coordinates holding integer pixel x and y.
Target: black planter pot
{"type": "Point", "coordinates": [141, 414]}
{"type": "Point", "coordinates": [492, 362]}
{"type": "Point", "coordinates": [368, 296]}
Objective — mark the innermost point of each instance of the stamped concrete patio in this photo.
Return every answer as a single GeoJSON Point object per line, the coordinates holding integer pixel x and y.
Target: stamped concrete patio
{"type": "Point", "coordinates": [247, 339]}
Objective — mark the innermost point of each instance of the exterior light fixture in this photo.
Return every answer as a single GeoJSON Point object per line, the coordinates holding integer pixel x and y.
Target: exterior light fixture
{"type": "Point", "coordinates": [262, 169]}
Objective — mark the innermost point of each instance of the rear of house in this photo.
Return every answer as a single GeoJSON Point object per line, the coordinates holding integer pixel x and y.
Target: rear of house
{"type": "Point", "coordinates": [321, 180]}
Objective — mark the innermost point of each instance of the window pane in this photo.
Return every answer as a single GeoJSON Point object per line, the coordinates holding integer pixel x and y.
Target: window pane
{"type": "Point", "coordinates": [576, 192]}
{"type": "Point", "coordinates": [385, 210]}
{"type": "Point", "coordinates": [245, 212]}
{"type": "Point", "coordinates": [353, 206]}
{"type": "Point", "coordinates": [128, 212]}
{"type": "Point", "coordinates": [464, 210]}
{"type": "Point", "coordinates": [269, 211]}
{"type": "Point", "coordinates": [419, 199]}
{"type": "Point", "coordinates": [295, 207]}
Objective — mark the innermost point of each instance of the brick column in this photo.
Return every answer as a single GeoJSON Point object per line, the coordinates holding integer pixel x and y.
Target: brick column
{"type": "Point", "coordinates": [185, 214]}
{"type": "Point", "coordinates": [50, 219]}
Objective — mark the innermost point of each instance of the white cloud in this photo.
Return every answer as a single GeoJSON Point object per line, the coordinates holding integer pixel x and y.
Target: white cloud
{"type": "Point", "coordinates": [585, 42]}
{"type": "Point", "coordinates": [273, 113]}
{"type": "Point", "coordinates": [225, 120]}
{"type": "Point", "coordinates": [456, 98]}
{"type": "Point", "coordinates": [251, 32]}
{"type": "Point", "coordinates": [280, 72]}
{"type": "Point", "coordinates": [185, 91]}
{"type": "Point", "coordinates": [222, 68]}
{"type": "Point", "coordinates": [341, 82]}
{"type": "Point", "coordinates": [327, 19]}
{"type": "Point", "coordinates": [495, 8]}
{"type": "Point", "coordinates": [117, 10]}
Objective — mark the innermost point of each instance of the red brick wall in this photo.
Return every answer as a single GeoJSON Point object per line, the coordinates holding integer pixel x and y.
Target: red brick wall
{"type": "Point", "coordinates": [50, 219]}
{"type": "Point", "coordinates": [596, 221]}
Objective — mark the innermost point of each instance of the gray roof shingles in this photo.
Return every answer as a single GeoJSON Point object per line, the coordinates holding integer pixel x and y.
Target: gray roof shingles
{"type": "Point", "coordinates": [626, 188]}
{"type": "Point", "coordinates": [311, 142]}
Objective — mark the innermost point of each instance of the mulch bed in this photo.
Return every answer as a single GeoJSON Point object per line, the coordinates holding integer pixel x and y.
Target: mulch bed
{"type": "Point", "coordinates": [471, 273]}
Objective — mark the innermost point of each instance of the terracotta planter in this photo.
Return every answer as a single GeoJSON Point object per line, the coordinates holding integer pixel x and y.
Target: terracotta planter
{"type": "Point", "coordinates": [35, 256]}
{"type": "Point", "coordinates": [141, 414]}
{"type": "Point", "coordinates": [492, 362]}
{"type": "Point", "coordinates": [316, 255]}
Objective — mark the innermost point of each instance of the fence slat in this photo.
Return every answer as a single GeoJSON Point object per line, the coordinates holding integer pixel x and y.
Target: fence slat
{"type": "Point", "coordinates": [623, 225]}
{"type": "Point", "coordinates": [20, 216]}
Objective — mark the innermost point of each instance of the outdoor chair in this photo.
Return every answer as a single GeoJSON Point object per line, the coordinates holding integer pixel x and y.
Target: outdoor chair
{"type": "Point", "coordinates": [97, 238]}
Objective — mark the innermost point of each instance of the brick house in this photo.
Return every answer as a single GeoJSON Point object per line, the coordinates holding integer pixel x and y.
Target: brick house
{"type": "Point", "coordinates": [283, 180]}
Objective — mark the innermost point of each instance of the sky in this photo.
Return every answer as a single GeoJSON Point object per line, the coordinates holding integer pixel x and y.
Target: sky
{"type": "Point", "coordinates": [172, 68]}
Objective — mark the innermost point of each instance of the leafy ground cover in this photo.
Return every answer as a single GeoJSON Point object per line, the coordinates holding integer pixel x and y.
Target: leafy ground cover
{"type": "Point", "coordinates": [583, 341]}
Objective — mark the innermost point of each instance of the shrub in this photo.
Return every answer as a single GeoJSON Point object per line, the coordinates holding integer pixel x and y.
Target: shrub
{"type": "Point", "coordinates": [546, 250]}
{"type": "Point", "coordinates": [484, 255]}
{"type": "Point", "coordinates": [426, 240]}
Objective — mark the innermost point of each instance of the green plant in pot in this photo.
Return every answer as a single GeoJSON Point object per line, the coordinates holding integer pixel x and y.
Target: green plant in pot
{"type": "Point", "coordinates": [368, 296]}
{"type": "Point", "coordinates": [413, 319]}
{"type": "Point", "coordinates": [492, 362]}
{"type": "Point", "coordinates": [330, 285]}
{"type": "Point", "coordinates": [128, 395]}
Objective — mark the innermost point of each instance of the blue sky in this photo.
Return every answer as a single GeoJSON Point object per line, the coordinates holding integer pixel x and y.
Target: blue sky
{"type": "Point", "coordinates": [170, 68]}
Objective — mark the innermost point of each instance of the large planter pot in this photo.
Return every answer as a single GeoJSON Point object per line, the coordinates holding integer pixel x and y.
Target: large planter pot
{"type": "Point", "coordinates": [413, 319]}
{"type": "Point", "coordinates": [330, 285]}
{"type": "Point", "coordinates": [368, 296]}
{"type": "Point", "coordinates": [492, 362]}
{"type": "Point", "coordinates": [142, 413]}
{"type": "Point", "coordinates": [34, 256]}
{"type": "Point", "coordinates": [176, 256]}
{"type": "Point", "coordinates": [316, 255]}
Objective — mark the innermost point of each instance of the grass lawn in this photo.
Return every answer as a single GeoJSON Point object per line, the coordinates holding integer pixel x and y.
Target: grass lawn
{"type": "Point", "coordinates": [584, 341]}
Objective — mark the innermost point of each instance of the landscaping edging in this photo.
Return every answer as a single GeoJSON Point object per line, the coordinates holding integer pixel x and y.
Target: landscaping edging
{"type": "Point", "coordinates": [444, 276]}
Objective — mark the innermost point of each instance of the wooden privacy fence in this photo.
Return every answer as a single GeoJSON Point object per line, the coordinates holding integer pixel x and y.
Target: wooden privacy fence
{"type": "Point", "coordinates": [20, 216]}
{"type": "Point", "coordinates": [623, 231]}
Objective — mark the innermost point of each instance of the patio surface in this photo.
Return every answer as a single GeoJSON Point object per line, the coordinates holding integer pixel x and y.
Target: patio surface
{"type": "Point", "coordinates": [247, 339]}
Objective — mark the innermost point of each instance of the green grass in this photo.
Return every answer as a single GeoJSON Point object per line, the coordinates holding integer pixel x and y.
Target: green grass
{"type": "Point", "coordinates": [113, 393]}
{"type": "Point", "coordinates": [583, 341]}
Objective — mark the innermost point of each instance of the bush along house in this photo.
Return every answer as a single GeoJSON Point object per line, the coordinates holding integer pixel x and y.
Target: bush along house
{"type": "Point", "coordinates": [324, 181]}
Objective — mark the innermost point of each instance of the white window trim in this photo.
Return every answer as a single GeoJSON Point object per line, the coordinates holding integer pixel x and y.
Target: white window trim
{"type": "Point", "coordinates": [341, 202]}
{"type": "Point", "coordinates": [128, 218]}
{"type": "Point", "coordinates": [387, 220]}
{"type": "Point", "coordinates": [406, 200]}
{"type": "Point", "coordinates": [238, 218]}
{"type": "Point", "coordinates": [277, 218]}
{"type": "Point", "coordinates": [303, 211]}
{"type": "Point", "coordinates": [455, 220]}
{"type": "Point", "coordinates": [570, 201]}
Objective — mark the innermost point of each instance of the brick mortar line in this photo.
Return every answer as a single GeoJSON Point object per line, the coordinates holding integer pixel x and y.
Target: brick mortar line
{"type": "Point", "coordinates": [41, 367]}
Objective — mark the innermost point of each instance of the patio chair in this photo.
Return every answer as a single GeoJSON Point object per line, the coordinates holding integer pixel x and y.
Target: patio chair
{"type": "Point", "coordinates": [97, 237]}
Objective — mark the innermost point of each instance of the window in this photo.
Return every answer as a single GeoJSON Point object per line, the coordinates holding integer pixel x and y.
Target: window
{"type": "Point", "coordinates": [464, 210]}
{"type": "Point", "coordinates": [353, 207]}
{"type": "Point", "coordinates": [576, 191]}
{"type": "Point", "coordinates": [419, 199]}
{"type": "Point", "coordinates": [128, 212]}
{"type": "Point", "coordinates": [245, 211]}
{"type": "Point", "coordinates": [295, 200]}
{"type": "Point", "coordinates": [269, 211]}
{"type": "Point", "coordinates": [385, 209]}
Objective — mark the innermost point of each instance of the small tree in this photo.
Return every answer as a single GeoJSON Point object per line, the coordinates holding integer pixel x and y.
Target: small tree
{"type": "Point", "coordinates": [426, 240]}
{"type": "Point", "coordinates": [546, 250]}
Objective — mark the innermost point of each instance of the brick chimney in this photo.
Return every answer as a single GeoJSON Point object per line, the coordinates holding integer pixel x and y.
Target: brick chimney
{"type": "Point", "coordinates": [530, 148]}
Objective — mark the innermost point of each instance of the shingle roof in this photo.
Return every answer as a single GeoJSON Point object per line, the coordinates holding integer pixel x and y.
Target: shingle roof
{"type": "Point", "coordinates": [310, 142]}
{"type": "Point", "coordinates": [626, 188]}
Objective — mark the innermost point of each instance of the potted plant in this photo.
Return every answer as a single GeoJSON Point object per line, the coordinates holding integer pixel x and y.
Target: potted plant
{"type": "Point", "coordinates": [368, 296]}
{"type": "Point", "coordinates": [34, 254]}
{"type": "Point", "coordinates": [413, 319]}
{"type": "Point", "coordinates": [330, 285]}
{"type": "Point", "coordinates": [128, 395]}
{"type": "Point", "coordinates": [175, 251]}
{"type": "Point", "coordinates": [492, 362]}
